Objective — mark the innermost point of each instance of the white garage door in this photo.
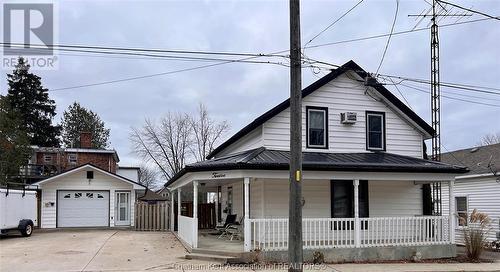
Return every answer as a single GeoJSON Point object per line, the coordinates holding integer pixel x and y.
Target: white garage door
{"type": "Point", "coordinates": [82, 209]}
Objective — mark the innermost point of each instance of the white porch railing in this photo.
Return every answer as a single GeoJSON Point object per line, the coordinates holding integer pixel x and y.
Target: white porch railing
{"type": "Point", "coordinates": [401, 231]}
{"type": "Point", "coordinates": [188, 230]}
{"type": "Point", "coordinates": [317, 233]}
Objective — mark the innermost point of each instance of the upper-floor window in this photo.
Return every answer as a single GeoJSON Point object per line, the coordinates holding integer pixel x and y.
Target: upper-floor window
{"type": "Point", "coordinates": [72, 158]}
{"type": "Point", "coordinates": [375, 130]}
{"type": "Point", "coordinates": [317, 127]}
{"type": "Point", "coordinates": [47, 158]}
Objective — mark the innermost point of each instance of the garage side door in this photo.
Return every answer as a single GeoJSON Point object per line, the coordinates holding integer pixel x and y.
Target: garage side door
{"type": "Point", "coordinates": [82, 209]}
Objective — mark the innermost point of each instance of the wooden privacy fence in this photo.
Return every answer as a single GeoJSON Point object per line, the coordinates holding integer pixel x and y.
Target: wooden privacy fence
{"type": "Point", "coordinates": [152, 217]}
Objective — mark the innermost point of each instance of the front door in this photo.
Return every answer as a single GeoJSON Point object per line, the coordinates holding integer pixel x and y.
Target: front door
{"type": "Point", "coordinates": [122, 209]}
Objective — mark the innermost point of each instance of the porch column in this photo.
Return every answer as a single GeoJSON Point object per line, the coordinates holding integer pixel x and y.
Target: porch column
{"type": "Point", "coordinates": [217, 206]}
{"type": "Point", "coordinates": [195, 214]}
{"type": "Point", "coordinates": [246, 223]}
{"type": "Point", "coordinates": [179, 203]}
{"type": "Point", "coordinates": [451, 207]}
{"type": "Point", "coordinates": [357, 226]}
{"type": "Point", "coordinates": [172, 214]}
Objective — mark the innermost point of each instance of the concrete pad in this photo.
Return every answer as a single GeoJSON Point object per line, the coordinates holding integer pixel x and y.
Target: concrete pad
{"type": "Point", "coordinates": [91, 250]}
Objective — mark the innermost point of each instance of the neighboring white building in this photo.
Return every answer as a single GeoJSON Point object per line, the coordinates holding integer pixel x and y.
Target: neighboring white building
{"type": "Point", "coordinates": [480, 188]}
{"type": "Point", "coordinates": [363, 172]}
{"type": "Point", "coordinates": [130, 172]}
{"type": "Point", "coordinates": [87, 196]}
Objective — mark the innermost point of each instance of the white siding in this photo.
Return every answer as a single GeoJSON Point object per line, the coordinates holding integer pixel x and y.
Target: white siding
{"type": "Point", "coordinates": [256, 198]}
{"type": "Point", "coordinates": [394, 198]}
{"type": "Point", "coordinates": [250, 141]}
{"type": "Point", "coordinates": [402, 138]}
{"type": "Point", "coordinates": [78, 181]}
{"type": "Point", "coordinates": [129, 173]}
{"type": "Point", "coordinates": [386, 199]}
{"type": "Point", "coordinates": [482, 194]}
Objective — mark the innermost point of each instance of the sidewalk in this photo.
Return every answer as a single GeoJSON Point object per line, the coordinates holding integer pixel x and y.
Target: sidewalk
{"type": "Point", "coordinates": [415, 267]}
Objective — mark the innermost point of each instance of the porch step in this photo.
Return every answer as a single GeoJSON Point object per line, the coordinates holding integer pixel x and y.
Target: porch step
{"type": "Point", "coordinates": [210, 257]}
{"type": "Point", "coordinates": [215, 252]}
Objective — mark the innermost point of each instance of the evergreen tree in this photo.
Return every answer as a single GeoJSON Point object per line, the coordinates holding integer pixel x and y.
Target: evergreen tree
{"type": "Point", "coordinates": [30, 100]}
{"type": "Point", "coordinates": [14, 143]}
{"type": "Point", "coordinates": [77, 119]}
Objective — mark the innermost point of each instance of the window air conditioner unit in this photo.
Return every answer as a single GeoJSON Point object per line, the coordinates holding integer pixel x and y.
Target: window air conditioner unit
{"type": "Point", "coordinates": [348, 117]}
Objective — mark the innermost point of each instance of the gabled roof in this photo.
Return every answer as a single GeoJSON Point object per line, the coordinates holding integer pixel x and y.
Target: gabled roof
{"type": "Point", "coordinates": [351, 65]}
{"type": "Point", "coordinates": [91, 166]}
{"type": "Point", "coordinates": [480, 160]}
{"type": "Point", "coordinates": [265, 159]}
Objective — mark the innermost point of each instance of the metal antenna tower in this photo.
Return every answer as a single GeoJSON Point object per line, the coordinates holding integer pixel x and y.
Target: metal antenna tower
{"type": "Point", "coordinates": [435, 15]}
{"type": "Point", "coordinates": [435, 90]}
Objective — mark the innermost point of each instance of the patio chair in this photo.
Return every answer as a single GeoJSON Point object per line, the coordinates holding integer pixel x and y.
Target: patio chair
{"type": "Point", "coordinates": [230, 219]}
{"type": "Point", "coordinates": [233, 231]}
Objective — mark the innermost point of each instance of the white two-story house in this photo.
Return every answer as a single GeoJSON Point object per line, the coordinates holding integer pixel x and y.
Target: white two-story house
{"type": "Point", "coordinates": [363, 177]}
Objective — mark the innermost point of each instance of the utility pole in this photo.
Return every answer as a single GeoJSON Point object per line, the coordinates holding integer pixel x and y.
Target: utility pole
{"type": "Point", "coordinates": [295, 257]}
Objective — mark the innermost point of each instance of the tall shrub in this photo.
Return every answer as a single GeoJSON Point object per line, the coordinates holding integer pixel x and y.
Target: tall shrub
{"type": "Point", "coordinates": [475, 233]}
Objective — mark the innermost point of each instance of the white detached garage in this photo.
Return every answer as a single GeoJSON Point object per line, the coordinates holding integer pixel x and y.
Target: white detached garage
{"type": "Point", "coordinates": [87, 196]}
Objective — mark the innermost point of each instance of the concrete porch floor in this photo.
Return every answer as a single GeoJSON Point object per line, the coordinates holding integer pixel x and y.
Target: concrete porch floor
{"type": "Point", "coordinates": [208, 240]}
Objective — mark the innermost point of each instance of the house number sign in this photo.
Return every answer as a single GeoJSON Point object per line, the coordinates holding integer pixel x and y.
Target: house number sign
{"type": "Point", "coordinates": [218, 175]}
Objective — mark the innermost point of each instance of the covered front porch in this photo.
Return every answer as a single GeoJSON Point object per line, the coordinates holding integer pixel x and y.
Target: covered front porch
{"type": "Point", "coordinates": [340, 210]}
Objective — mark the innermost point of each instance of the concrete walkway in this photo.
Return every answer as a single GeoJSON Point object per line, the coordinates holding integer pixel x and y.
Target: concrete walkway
{"type": "Point", "coordinates": [415, 267]}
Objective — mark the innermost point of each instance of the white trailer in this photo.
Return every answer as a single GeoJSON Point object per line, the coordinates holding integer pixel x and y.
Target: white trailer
{"type": "Point", "coordinates": [18, 210]}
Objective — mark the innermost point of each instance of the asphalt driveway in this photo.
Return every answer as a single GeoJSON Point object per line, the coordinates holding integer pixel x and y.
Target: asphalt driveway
{"type": "Point", "coordinates": [91, 250]}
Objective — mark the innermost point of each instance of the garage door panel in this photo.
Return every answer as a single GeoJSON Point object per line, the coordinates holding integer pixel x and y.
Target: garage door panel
{"type": "Point", "coordinates": [83, 209]}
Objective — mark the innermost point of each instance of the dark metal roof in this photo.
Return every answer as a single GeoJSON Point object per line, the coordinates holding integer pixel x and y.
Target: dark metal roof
{"type": "Point", "coordinates": [265, 159]}
{"type": "Point", "coordinates": [480, 160]}
{"type": "Point", "coordinates": [351, 65]}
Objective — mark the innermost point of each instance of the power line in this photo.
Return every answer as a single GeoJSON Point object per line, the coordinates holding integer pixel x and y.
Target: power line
{"type": "Point", "coordinates": [393, 34]}
{"type": "Point", "coordinates": [137, 49]}
{"type": "Point", "coordinates": [460, 86]}
{"type": "Point", "coordinates": [467, 95]}
{"type": "Point", "coordinates": [334, 22]}
{"type": "Point", "coordinates": [275, 54]}
{"type": "Point", "coordinates": [389, 38]}
{"type": "Point", "coordinates": [168, 57]}
{"type": "Point", "coordinates": [402, 95]}
{"type": "Point", "coordinates": [449, 85]}
{"type": "Point", "coordinates": [469, 10]}
{"type": "Point", "coordinates": [453, 98]}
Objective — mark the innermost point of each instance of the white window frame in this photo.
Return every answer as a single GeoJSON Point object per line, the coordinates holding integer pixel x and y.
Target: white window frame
{"type": "Point", "coordinates": [76, 158]}
{"type": "Point", "coordinates": [324, 111]}
{"type": "Point", "coordinates": [382, 119]}
{"type": "Point", "coordinates": [47, 158]}
{"type": "Point", "coordinates": [457, 217]}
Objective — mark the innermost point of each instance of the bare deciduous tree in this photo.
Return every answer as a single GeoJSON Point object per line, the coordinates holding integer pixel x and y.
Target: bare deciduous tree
{"type": "Point", "coordinates": [489, 139]}
{"type": "Point", "coordinates": [206, 133]}
{"type": "Point", "coordinates": [177, 139]}
{"type": "Point", "coordinates": [165, 144]}
{"type": "Point", "coordinates": [148, 177]}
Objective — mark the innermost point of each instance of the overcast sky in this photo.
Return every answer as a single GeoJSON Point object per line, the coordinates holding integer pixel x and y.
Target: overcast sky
{"type": "Point", "coordinates": [240, 92]}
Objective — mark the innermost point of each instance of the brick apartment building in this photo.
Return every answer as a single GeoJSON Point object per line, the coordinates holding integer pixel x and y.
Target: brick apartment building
{"type": "Point", "coordinates": [49, 161]}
